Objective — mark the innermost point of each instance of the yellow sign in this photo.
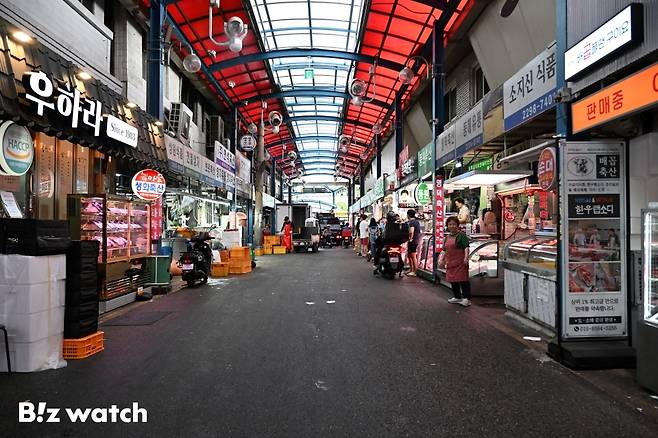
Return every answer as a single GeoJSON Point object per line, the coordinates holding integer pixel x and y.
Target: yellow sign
{"type": "Point", "coordinates": [627, 96]}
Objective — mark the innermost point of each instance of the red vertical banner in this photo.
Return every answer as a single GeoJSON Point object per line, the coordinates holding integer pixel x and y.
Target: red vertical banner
{"type": "Point", "coordinates": [438, 214]}
{"type": "Point", "coordinates": [156, 219]}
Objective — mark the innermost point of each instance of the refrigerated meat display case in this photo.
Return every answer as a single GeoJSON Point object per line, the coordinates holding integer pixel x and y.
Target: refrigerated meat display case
{"type": "Point", "coordinates": [530, 278]}
{"type": "Point", "coordinates": [647, 326]}
{"type": "Point", "coordinates": [123, 229]}
{"type": "Point", "coordinates": [482, 267]}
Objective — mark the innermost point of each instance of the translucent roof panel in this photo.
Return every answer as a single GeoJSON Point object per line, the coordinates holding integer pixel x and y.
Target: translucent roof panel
{"type": "Point", "coordinates": [318, 24]}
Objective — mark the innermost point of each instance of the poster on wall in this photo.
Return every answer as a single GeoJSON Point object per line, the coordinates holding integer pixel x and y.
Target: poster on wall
{"type": "Point", "coordinates": [438, 214]}
{"type": "Point", "coordinates": [593, 268]}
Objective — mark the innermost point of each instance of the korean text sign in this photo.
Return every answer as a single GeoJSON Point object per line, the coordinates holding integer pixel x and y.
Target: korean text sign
{"type": "Point", "coordinates": [438, 214]}
{"type": "Point", "coordinates": [531, 91]}
{"type": "Point", "coordinates": [469, 130]}
{"type": "Point", "coordinates": [634, 93]}
{"type": "Point", "coordinates": [445, 145]}
{"type": "Point", "coordinates": [148, 184]}
{"type": "Point", "coordinates": [593, 268]}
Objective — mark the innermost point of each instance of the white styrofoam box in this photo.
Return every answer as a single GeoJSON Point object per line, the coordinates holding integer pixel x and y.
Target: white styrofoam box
{"type": "Point", "coordinates": [20, 269]}
{"type": "Point", "coordinates": [514, 290]}
{"type": "Point", "coordinates": [30, 327]}
{"type": "Point", "coordinates": [32, 298]}
{"type": "Point", "coordinates": [44, 354]}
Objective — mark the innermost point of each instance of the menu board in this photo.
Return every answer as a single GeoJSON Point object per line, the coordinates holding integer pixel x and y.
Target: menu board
{"type": "Point", "coordinates": [593, 267]}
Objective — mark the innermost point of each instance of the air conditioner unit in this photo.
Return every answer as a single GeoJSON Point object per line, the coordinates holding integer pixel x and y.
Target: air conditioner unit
{"type": "Point", "coordinates": [180, 119]}
{"type": "Point", "coordinates": [217, 129]}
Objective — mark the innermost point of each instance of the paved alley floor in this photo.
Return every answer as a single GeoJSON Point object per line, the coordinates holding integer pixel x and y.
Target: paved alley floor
{"type": "Point", "coordinates": [312, 345]}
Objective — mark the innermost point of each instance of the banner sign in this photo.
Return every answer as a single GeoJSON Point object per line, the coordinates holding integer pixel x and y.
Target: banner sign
{"type": "Point", "coordinates": [531, 91]}
{"type": "Point", "coordinates": [187, 161]}
{"type": "Point", "coordinates": [438, 214]}
{"type": "Point", "coordinates": [470, 130]}
{"type": "Point", "coordinates": [408, 170]}
{"type": "Point", "coordinates": [445, 146]}
{"type": "Point", "coordinates": [148, 184]}
{"type": "Point", "coordinates": [594, 269]}
{"type": "Point", "coordinates": [378, 190]}
{"type": "Point", "coordinates": [620, 32]}
{"type": "Point", "coordinates": [224, 158]}
{"type": "Point", "coordinates": [243, 168]}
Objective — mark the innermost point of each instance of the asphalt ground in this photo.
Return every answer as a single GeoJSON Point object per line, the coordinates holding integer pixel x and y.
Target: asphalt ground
{"type": "Point", "coordinates": [312, 345]}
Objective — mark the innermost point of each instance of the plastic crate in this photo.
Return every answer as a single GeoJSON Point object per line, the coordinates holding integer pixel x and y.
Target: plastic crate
{"type": "Point", "coordinates": [272, 240]}
{"type": "Point", "coordinates": [220, 269]}
{"type": "Point", "coordinates": [267, 250]}
{"type": "Point", "coordinates": [224, 255]}
{"type": "Point", "coordinates": [34, 237]}
{"type": "Point", "coordinates": [278, 250]}
{"type": "Point", "coordinates": [240, 269]}
{"type": "Point", "coordinates": [258, 252]}
{"type": "Point", "coordinates": [240, 252]}
{"type": "Point", "coordinates": [83, 347]}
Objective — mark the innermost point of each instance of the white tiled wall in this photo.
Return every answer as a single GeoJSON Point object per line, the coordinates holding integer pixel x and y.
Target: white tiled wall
{"type": "Point", "coordinates": [128, 59]}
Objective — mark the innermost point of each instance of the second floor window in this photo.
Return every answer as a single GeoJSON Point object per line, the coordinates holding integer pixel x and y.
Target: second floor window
{"type": "Point", "coordinates": [450, 104]}
{"type": "Point", "coordinates": [480, 86]}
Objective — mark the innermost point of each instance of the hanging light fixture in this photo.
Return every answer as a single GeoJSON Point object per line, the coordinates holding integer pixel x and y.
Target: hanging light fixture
{"type": "Point", "coordinates": [377, 129]}
{"type": "Point", "coordinates": [234, 29]}
{"type": "Point", "coordinates": [192, 63]}
{"type": "Point", "coordinates": [358, 88]}
{"type": "Point", "coordinates": [406, 75]}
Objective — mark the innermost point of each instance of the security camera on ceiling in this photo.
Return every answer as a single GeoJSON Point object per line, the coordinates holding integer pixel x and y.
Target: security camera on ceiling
{"type": "Point", "coordinates": [234, 28]}
{"type": "Point", "coordinates": [275, 118]}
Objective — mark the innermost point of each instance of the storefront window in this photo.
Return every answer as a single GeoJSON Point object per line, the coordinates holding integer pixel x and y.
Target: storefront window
{"type": "Point", "coordinates": [44, 181]}
{"type": "Point", "coordinates": [64, 178]}
{"type": "Point", "coordinates": [81, 169]}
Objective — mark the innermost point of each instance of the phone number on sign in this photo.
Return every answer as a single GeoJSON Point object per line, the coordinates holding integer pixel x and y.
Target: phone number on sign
{"type": "Point", "coordinates": [538, 107]}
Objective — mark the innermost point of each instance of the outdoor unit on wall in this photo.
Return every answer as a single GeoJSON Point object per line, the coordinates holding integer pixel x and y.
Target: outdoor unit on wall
{"type": "Point", "coordinates": [180, 119]}
{"type": "Point", "coordinates": [217, 129]}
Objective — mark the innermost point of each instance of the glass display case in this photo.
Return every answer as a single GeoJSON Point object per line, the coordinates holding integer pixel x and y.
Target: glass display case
{"type": "Point", "coordinates": [123, 229]}
{"type": "Point", "coordinates": [650, 266]}
{"type": "Point", "coordinates": [426, 262]}
{"type": "Point", "coordinates": [536, 254]}
{"type": "Point", "coordinates": [484, 258]}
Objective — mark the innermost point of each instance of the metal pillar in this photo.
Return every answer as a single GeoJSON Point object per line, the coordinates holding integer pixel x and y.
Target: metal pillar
{"type": "Point", "coordinates": [155, 84]}
{"type": "Point", "coordinates": [273, 192]}
{"type": "Point", "coordinates": [362, 180]}
{"type": "Point", "coordinates": [438, 115]}
{"type": "Point", "coordinates": [290, 193]}
{"type": "Point", "coordinates": [399, 130]}
{"type": "Point", "coordinates": [378, 149]}
{"type": "Point", "coordinates": [350, 193]}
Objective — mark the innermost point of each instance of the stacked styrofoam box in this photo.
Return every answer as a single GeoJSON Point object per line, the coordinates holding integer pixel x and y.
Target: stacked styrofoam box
{"type": "Point", "coordinates": [32, 297]}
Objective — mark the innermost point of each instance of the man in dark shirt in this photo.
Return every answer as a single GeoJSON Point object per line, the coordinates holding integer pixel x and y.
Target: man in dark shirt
{"type": "Point", "coordinates": [415, 238]}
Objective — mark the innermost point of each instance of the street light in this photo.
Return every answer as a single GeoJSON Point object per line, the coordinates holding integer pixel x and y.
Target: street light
{"type": "Point", "coordinates": [407, 75]}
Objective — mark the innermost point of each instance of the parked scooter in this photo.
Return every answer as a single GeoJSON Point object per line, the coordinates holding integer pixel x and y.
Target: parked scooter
{"type": "Point", "coordinates": [197, 260]}
{"type": "Point", "coordinates": [390, 262]}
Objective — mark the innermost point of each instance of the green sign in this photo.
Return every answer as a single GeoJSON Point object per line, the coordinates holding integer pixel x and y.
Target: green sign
{"type": "Point", "coordinates": [425, 160]}
{"type": "Point", "coordinates": [486, 164]}
{"type": "Point", "coordinates": [378, 190]}
{"type": "Point", "coordinates": [422, 194]}
{"type": "Point", "coordinates": [308, 73]}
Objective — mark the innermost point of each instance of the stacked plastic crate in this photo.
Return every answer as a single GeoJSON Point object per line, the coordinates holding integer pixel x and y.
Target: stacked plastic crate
{"type": "Point", "coordinates": [81, 318]}
{"type": "Point", "coordinates": [240, 260]}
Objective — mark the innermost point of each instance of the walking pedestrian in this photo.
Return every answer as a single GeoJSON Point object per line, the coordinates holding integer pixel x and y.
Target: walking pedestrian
{"type": "Point", "coordinates": [363, 235]}
{"type": "Point", "coordinates": [373, 230]}
{"type": "Point", "coordinates": [454, 258]}
{"type": "Point", "coordinates": [415, 238]}
{"type": "Point", "coordinates": [286, 229]}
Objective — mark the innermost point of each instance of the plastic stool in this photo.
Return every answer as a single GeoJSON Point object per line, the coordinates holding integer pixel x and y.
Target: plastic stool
{"type": "Point", "coordinates": [4, 329]}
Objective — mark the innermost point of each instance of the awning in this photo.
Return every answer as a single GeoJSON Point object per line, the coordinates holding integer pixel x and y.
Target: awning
{"type": "Point", "coordinates": [17, 60]}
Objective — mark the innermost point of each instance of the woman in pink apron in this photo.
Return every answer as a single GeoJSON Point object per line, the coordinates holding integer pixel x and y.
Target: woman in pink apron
{"type": "Point", "coordinates": [455, 258]}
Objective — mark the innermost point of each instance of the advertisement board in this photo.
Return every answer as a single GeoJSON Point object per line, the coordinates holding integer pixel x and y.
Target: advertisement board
{"type": "Point", "coordinates": [594, 268]}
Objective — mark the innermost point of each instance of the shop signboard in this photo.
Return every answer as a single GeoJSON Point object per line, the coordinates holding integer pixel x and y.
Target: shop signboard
{"type": "Point", "coordinates": [620, 32]}
{"type": "Point", "coordinates": [17, 151]}
{"type": "Point", "coordinates": [445, 146]}
{"type": "Point", "coordinates": [224, 157]}
{"type": "Point", "coordinates": [68, 103]}
{"type": "Point", "coordinates": [547, 169]}
{"type": "Point", "coordinates": [531, 91]}
{"type": "Point", "coordinates": [637, 92]}
{"type": "Point", "coordinates": [594, 267]}
{"type": "Point", "coordinates": [425, 164]}
{"type": "Point", "coordinates": [193, 163]}
{"type": "Point", "coordinates": [422, 194]}
{"type": "Point", "coordinates": [175, 154]}
{"type": "Point", "coordinates": [148, 184]}
{"type": "Point", "coordinates": [438, 214]}
{"type": "Point", "coordinates": [406, 196]}
{"type": "Point", "coordinates": [121, 131]}
{"type": "Point", "coordinates": [485, 164]}
{"type": "Point", "coordinates": [408, 170]}
{"type": "Point", "coordinates": [243, 168]}
{"type": "Point", "coordinates": [469, 130]}
{"type": "Point", "coordinates": [247, 143]}
{"type": "Point", "coordinates": [378, 190]}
